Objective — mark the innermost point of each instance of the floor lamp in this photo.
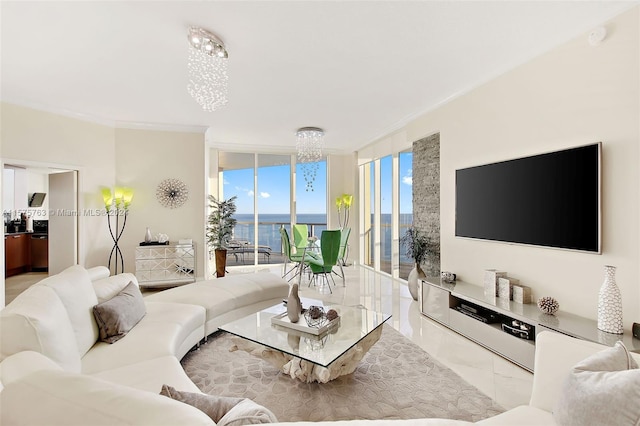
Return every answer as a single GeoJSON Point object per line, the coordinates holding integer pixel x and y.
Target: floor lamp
{"type": "Point", "coordinates": [117, 205]}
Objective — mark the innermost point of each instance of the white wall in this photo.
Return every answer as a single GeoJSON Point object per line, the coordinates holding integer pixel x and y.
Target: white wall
{"type": "Point", "coordinates": [574, 95]}
{"type": "Point", "coordinates": [343, 179]}
{"type": "Point", "coordinates": [144, 159]}
{"type": "Point", "coordinates": [41, 138]}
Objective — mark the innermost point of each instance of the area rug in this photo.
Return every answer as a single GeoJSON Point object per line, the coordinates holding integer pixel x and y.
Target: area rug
{"type": "Point", "coordinates": [395, 380]}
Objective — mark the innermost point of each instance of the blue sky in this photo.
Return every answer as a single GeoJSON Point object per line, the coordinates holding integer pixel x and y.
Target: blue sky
{"type": "Point", "coordinates": [274, 192]}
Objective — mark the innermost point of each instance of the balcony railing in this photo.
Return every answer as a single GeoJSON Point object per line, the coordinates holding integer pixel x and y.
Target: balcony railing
{"type": "Point", "coordinates": [269, 246]}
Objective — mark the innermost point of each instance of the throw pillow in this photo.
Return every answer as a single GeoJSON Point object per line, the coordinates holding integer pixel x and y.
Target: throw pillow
{"type": "Point", "coordinates": [118, 315]}
{"type": "Point", "coordinates": [247, 412]}
{"type": "Point", "coordinates": [602, 389]}
{"type": "Point", "coordinates": [224, 411]}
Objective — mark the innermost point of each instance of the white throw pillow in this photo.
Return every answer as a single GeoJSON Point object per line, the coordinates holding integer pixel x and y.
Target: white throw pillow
{"type": "Point", "coordinates": [73, 287]}
{"type": "Point", "coordinates": [602, 389]}
{"type": "Point", "coordinates": [38, 321]}
{"type": "Point", "coordinates": [107, 288]}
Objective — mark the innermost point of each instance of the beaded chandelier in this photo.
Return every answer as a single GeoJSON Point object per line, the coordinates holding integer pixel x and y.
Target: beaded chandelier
{"type": "Point", "coordinates": [207, 68]}
{"type": "Point", "coordinates": [309, 142]}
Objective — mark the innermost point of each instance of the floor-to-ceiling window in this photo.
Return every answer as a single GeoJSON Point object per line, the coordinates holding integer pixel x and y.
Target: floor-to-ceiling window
{"type": "Point", "coordinates": [237, 179]}
{"type": "Point", "coordinates": [267, 201]}
{"type": "Point", "coordinates": [405, 207]}
{"type": "Point", "coordinates": [273, 200]}
{"type": "Point", "coordinates": [386, 211]}
{"type": "Point", "coordinates": [367, 175]}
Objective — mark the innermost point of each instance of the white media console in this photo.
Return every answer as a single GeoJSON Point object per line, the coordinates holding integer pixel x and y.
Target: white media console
{"type": "Point", "coordinates": [464, 308]}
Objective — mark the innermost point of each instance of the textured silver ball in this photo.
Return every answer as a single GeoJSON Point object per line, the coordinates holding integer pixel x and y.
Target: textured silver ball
{"type": "Point", "coordinates": [548, 305]}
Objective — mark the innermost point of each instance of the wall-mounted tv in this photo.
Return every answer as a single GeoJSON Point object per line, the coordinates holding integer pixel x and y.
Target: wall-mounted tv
{"type": "Point", "coordinates": [549, 200]}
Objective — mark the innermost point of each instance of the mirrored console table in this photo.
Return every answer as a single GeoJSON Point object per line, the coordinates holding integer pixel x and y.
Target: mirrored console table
{"type": "Point", "coordinates": [165, 265]}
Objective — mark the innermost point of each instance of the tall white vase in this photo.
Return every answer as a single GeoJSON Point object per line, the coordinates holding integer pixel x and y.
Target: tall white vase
{"type": "Point", "coordinates": [412, 281]}
{"type": "Point", "coordinates": [610, 304]}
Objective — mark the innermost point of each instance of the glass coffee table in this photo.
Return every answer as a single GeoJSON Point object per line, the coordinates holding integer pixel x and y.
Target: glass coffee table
{"type": "Point", "coordinates": [305, 356]}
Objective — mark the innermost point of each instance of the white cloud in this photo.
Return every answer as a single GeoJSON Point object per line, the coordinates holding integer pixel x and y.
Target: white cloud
{"type": "Point", "coordinates": [225, 182]}
{"type": "Point", "coordinates": [250, 193]}
{"type": "Point", "coordinates": [265, 195]}
{"type": "Point", "coordinates": [407, 180]}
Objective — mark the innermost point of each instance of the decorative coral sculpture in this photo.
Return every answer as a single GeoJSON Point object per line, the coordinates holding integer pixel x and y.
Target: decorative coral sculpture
{"type": "Point", "coordinates": [548, 305]}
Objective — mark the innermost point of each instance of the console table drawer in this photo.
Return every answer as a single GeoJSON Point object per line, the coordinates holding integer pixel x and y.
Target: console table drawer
{"type": "Point", "coordinates": [435, 302]}
{"type": "Point", "coordinates": [520, 351]}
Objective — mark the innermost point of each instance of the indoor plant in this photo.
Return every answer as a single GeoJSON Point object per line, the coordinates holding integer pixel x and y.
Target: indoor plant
{"type": "Point", "coordinates": [418, 247]}
{"type": "Point", "coordinates": [220, 224]}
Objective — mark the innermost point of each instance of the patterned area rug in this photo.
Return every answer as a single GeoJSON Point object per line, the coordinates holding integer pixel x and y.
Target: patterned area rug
{"type": "Point", "coordinates": [395, 380]}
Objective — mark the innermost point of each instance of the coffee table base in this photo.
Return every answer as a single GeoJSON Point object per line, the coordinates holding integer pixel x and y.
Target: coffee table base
{"type": "Point", "coordinates": [306, 371]}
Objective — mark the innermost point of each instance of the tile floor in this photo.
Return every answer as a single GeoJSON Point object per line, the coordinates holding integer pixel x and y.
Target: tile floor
{"type": "Point", "coordinates": [498, 378]}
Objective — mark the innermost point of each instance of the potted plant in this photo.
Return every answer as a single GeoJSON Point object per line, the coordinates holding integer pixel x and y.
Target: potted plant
{"type": "Point", "coordinates": [418, 247]}
{"type": "Point", "coordinates": [220, 224]}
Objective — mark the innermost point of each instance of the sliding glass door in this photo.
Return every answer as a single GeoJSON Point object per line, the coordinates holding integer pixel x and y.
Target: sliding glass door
{"type": "Point", "coordinates": [237, 179]}
{"type": "Point", "coordinates": [273, 199]}
{"type": "Point", "coordinates": [263, 185]}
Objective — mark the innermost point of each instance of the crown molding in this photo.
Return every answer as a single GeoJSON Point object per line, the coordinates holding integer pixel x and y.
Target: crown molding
{"type": "Point", "coordinates": [106, 122]}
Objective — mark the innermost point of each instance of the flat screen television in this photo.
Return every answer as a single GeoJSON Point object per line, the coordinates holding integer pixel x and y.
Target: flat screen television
{"type": "Point", "coordinates": [548, 200]}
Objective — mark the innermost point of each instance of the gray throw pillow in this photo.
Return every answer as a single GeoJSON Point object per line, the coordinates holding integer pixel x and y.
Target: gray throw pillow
{"type": "Point", "coordinates": [224, 411]}
{"type": "Point", "coordinates": [118, 315]}
{"type": "Point", "coordinates": [601, 389]}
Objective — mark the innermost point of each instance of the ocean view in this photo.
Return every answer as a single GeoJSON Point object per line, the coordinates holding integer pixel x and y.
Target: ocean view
{"type": "Point", "coordinates": [269, 229]}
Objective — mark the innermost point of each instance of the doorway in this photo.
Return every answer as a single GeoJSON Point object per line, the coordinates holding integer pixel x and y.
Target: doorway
{"type": "Point", "coordinates": [46, 225]}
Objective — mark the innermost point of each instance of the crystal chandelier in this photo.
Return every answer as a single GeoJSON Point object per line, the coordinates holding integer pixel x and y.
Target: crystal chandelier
{"type": "Point", "coordinates": [207, 66]}
{"type": "Point", "coordinates": [309, 148]}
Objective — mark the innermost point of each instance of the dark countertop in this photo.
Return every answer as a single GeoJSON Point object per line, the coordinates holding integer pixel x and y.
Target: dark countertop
{"type": "Point", "coordinates": [23, 232]}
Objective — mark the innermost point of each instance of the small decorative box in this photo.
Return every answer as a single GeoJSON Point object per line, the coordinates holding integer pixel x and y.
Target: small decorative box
{"type": "Point", "coordinates": [505, 287]}
{"type": "Point", "coordinates": [491, 281]}
{"type": "Point", "coordinates": [521, 294]}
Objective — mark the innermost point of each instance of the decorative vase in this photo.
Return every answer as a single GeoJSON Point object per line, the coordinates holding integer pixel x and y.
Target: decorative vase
{"type": "Point", "coordinates": [294, 307]}
{"type": "Point", "coordinates": [412, 281]}
{"type": "Point", "coordinates": [147, 235]}
{"type": "Point", "coordinates": [610, 304]}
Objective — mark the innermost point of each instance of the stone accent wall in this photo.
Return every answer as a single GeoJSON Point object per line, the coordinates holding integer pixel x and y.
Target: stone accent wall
{"type": "Point", "coordinates": [426, 195]}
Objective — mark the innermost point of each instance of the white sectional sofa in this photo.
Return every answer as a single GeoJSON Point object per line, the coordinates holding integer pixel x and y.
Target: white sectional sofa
{"type": "Point", "coordinates": [54, 371]}
{"type": "Point", "coordinates": [49, 345]}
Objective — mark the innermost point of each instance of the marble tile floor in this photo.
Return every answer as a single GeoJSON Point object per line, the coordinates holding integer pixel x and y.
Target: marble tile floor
{"type": "Point", "coordinates": [505, 382]}
{"type": "Point", "coordinates": [16, 284]}
{"type": "Point", "coordinates": [508, 384]}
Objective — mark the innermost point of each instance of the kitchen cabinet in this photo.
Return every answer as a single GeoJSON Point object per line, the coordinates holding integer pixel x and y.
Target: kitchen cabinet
{"type": "Point", "coordinates": [16, 252]}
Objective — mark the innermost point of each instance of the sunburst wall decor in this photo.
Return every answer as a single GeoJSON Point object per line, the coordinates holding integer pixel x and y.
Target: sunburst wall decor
{"type": "Point", "coordinates": [172, 193]}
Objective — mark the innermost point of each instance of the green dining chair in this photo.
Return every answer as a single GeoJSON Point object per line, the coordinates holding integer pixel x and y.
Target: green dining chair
{"type": "Point", "coordinates": [300, 235]}
{"type": "Point", "coordinates": [342, 254]}
{"type": "Point", "coordinates": [289, 255]}
{"type": "Point", "coordinates": [328, 258]}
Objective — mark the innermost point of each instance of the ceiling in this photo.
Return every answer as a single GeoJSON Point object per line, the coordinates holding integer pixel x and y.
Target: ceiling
{"type": "Point", "coordinates": [358, 69]}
